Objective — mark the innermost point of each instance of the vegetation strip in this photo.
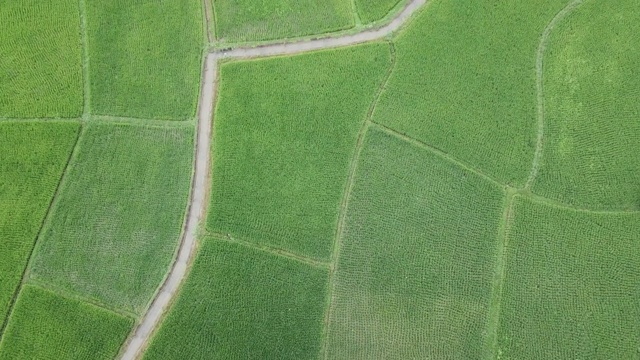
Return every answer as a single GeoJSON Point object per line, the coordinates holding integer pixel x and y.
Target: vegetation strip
{"type": "Point", "coordinates": [540, 86]}
{"type": "Point", "coordinates": [44, 221]}
{"type": "Point", "coordinates": [85, 61]}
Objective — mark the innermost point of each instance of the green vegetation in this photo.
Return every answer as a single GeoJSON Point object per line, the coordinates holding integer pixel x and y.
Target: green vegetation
{"type": "Point", "coordinates": [465, 82]}
{"type": "Point", "coordinates": [592, 133]}
{"type": "Point", "coordinates": [242, 303]}
{"type": "Point", "coordinates": [415, 272]}
{"type": "Point", "coordinates": [285, 132]}
{"type": "Point", "coordinates": [47, 326]}
{"type": "Point", "coordinates": [373, 10]}
{"type": "Point", "coordinates": [114, 231]}
{"type": "Point", "coordinates": [41, 62]}
{"type": "Point", "coordinates": [33, 157]}
{"type": "Point", "coordinates": [571, 289]}
{"type": "Point", "coordinates": [145, 57]}
{"type": "Point", "coordinates": [252, 20]}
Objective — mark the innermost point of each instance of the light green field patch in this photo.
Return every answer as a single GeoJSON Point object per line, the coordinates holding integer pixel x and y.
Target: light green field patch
{"type": "Point", "coordinates": [32, 159]}
{"type": "Point", "coordinates": [145, 57]}
{"type": "Point", "coordinates": [572, 286]}
{"type": "Point", "coordinates": [241, 303]}
{"type": "Point", "coordinates": [285, 133]}
{"type": "Point", "coordinates": [465, 82]}
{"type": "Point", "coordinates": [253, 20]}
{"type": "Point", "coordinates": [592, 113]}
{"type": "Point", "coordinates": [47, 326]}
{"type": "Point", "coordinates": [40, 59]}
{"type": "Point", "coordinates": [373, 10]}
{"type": "Point", "coordinates": [414, 276]}
{"type": "Point", "coordinates": [114, 231]}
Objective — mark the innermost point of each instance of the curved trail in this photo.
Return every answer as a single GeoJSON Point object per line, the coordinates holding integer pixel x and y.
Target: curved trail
{"type": "Point", "coordinates": [200, 183]}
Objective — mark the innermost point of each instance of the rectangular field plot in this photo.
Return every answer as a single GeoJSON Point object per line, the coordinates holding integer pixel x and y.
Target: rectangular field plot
{"type": "Point", "coordinates": [41, 61]}
{"type": "Point", "coordinates": [47, 326]}
{"type": "Point", "coordinates": [253, 20]}
{"type": "Point", "coordinates": [145, 57]}
{"type": "Point", "coordinates": [465, 82]}
{"type": "Point", "coordinates": [414, 275]}
{"type": "Point", "coordinates": [372, 10]}
{"type": "Point", "coordinates": [242, 303]}
{"type": "Point", "coordinates": [116, 226]}
{"type": "Point", "coordinates": [32, 159]}
{"type": "Point", "coordinates": [572, 286]}
{"type": "Point", "coordinates": [285, 132]}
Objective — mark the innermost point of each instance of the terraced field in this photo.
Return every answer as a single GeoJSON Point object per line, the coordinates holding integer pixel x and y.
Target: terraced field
{"type": "Point", "coordinates": [462, 186]}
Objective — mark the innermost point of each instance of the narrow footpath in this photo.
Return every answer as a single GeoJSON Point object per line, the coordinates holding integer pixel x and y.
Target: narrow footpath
{"type": "Point", "coordinates": [200, 184]}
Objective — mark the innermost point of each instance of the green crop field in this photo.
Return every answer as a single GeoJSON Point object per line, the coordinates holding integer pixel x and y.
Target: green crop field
{"type": "Point", "coordinates": [32, 159]}
{"type": "Point", "coordinates": [370, 11]}
{"type": "Point", "coordinates": [415, 272]}
{"type": "Point", "coordinates": [40, 61]}
{"type": "Point", "coordinates": [572, 286]}
{"type": "Point", "coordinates": [285, 131]}
{"type": "Point", "coordinates": [47, 326]}
{"type": "Point", "coordinates": [241, 303]}
{"type": "Point", "coordinates": [144, 57]}
{"type": "Point", "coordinates": [253, 20]}
{"type": "Point", "coordinates": [116, 226]}
{"type": "Point", "coordinates": [465, 82]}
{"type": "Point", "coordinates": [592, 111]}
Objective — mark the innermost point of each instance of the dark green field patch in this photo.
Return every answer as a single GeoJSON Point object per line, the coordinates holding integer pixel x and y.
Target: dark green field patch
{"type": "Point", "coordinates": [285, 132]}
{"type": "Point", "coordinates": [32, 159]}
{"type": "Point", "coordinates": [41, 59]}
{"type": "Point", "coordinates": [241, 303]}
{"type": "Point", "coordinates": [414, 276]}
{"type": "Point", "coordinates": [114, 231]}
{"type": "Point", "coordinates": [47, 326]}
{"type": "Point", "coordinates": [572, 286]}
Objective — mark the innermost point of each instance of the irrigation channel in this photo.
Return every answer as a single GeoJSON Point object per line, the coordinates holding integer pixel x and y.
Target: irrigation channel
{"type": "Point", "coordinates": [200, 183]}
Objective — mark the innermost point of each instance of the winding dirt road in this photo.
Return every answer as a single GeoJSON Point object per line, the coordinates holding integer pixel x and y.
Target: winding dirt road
{"type": "Point", "coordinates": [200, 184]}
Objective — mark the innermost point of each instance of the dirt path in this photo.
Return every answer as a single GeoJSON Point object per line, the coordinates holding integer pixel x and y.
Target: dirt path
{"type": "Point", "coordinates": [197, 206]}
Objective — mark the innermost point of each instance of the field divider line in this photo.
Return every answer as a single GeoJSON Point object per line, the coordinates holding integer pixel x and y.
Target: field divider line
{"type": "Point", "coordinates": [436, 151]}
{"type": "Point", "coordinates": [161, 123]}
{"type": "Point", "coordinates": [344, 203]}
{"type": "Point", "coordinates": [45, 220]}
{"type": "Point", "coordinates": [356, 15]}
{"type": "Point", "coordinates": [560, 205]}
{"type": "Point", "coordinates": [295, 47]}
{"type": "Point", "coordinates": [493, 323]}
{"type": "Point", "coordinates": [271, 250]}
{"type": "Point", "coordinates": [52, 119]}
{"type": "Point", "coordinates": [542, 46]}
{"type": "Point", "coordinates": [86, 103]}
{"type": "Point", "coordinates": [195, 212]}
{"type": "Point", "coordinates": [206, 12]}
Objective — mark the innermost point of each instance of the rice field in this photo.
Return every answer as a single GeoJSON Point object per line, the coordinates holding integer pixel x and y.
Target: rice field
{"type": "Point", "coordinates": [41, 63]}
{"type": "Point", "coordinates": [144, 57]}
{"type": "Point", "coordinates": [242, 303]}
{"type": "Point", "coordinates": [116, 225]}
{"type": "Point", "coordinates": [592, 88]}
{"type": "Point", "coordinates": [571, 288]}
{"type": "Point", "coordinates": [255, 20]}
{"type": "Point", "coordinates": [32, 159]}
{"type": "Point", "coordinates": [465, 82]}
{"type": "Point", "coordinates": [45, 325]}
{"type": "Point", "coordinates": [417, 258]}
{"type": "Point", "coordinates": [285, 131]}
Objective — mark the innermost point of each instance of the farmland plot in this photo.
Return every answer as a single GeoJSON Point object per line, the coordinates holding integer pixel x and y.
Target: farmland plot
{"type": "Point", "coordinates": [373, 10]}
{"type": "Point", "coordinates": [32, 159]}
{"type": "Point", "coordinates": [47, 326]}
{"type": "Point", "coordinates": [285, 132]}
{"type": "Point", "coordinates": [465, 82]}
{"type": "Point", "coordinates": [41, 61]}
{"type": "Point", "coordinates": [414, 276]}
{"type": "Point", "coordinates": [253, 20]}
{"type": "Point", "coordinates": [592, 113]}
{"type": "Point", "coordinates": [114, 231]}
{"type": "Point", "coordinates": [572, 289]}
{"type": "Point", "coordinates": [144, 57]}
{"type": "Point", "coordinates": [242, 303]}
